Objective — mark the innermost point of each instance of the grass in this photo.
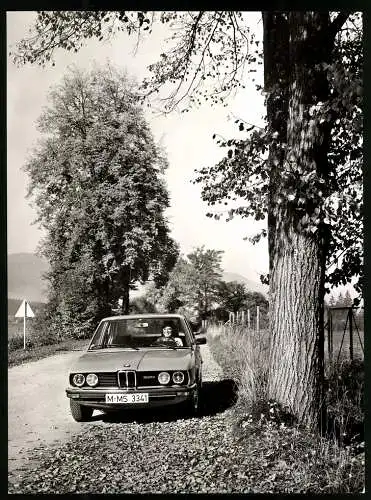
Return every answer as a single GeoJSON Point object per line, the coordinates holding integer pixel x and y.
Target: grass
{"type": "Point", "coordinates": [299, 461]}
{"type": "Point", "coordinates": [19, 356]}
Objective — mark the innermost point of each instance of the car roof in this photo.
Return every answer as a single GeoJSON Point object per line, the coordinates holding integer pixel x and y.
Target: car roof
{"type": "Point", "coordinates": [142, 316]}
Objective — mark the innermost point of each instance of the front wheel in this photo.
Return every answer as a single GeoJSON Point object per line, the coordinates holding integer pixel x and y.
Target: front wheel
{"type": "Point", "coordinates": [193, 405]}
{"type": "Point", "coordinates": [80, 413]}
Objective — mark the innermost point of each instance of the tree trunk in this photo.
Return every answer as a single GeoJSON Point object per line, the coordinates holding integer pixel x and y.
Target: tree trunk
{"type": "Point", "coordinates": [275, 29]}
{"type": "Point", "coordinates": [300, 241]}
{"type": "Point", "coordinates": [125, 284]}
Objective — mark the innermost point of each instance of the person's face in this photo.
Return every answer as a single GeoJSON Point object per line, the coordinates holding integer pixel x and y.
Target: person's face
{"type": "Point", "coordinates": [167, 331]}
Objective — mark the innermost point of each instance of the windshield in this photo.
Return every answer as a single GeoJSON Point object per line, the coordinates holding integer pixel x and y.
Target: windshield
{"type": "Point", "coordinates": [143, 332]}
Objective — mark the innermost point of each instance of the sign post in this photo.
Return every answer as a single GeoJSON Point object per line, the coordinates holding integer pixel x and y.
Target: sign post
{"type": "Point", "coordinates": [24, 312]}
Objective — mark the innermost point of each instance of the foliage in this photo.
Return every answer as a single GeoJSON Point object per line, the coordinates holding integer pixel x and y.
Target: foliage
{"type": "Point", "coordinates": [193, 284]}
{"type": "Point", "coordinates": [242, 178]}
{"type": "Point", "coordinates": [141, 305]}
{"type": "Point", "coordinates": [216, 41]}
{"type": "Point", "coordinates": [219, 46]}
{"type": "Point", "coordinates": [15, 342]}
{"type": "Point", "coordinates": [40, 351]}
{"type": "Point", "coordinates": [97, 180]}
{"type": "Point", "coordinates": [206, 272]}
{"type": "Point", "coordinates": [179, 290]}
{"type": "Point", "coordinates": [231, 295]}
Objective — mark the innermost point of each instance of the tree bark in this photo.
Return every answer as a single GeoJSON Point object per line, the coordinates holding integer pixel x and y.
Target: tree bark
{"type": "Point", "coordinates": [125, 284]}
{"type": "Point", "coordinates": [275, 30]}
{"type": "Point", "coordinates": [298, 255]}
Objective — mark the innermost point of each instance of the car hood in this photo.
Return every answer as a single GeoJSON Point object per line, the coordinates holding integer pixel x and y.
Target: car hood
{"type": "Point", "coordinates": [111, 360]}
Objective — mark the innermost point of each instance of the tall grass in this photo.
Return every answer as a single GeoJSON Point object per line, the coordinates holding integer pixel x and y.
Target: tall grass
{"type": "Point", "coordinates": [243, 355]}
{"type": "Point", "coordinates": [334, 464]}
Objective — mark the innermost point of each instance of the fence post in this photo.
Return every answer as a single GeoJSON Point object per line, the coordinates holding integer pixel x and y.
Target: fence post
{"type": "Point", "coordinates": [257, 319]}
{"type": "Point", "coordinates": [248, 319]}
{"type": "Point", "coordinates": [329, 334]}
{"type": "Point", "coordinates": [350, 313]}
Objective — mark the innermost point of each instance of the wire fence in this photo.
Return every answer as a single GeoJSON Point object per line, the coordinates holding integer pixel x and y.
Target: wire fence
{"type": "Point", "coordinates": [344, 330]}
{"type": "Point", "coordinates": [344, 333]}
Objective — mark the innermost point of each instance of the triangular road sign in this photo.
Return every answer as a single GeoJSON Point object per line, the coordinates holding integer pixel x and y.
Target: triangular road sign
{"type": "Point", "coordinates": [24, 310]}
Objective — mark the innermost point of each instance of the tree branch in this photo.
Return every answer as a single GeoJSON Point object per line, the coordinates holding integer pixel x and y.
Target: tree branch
{"type": "Point", "coordinates": [338, 22]}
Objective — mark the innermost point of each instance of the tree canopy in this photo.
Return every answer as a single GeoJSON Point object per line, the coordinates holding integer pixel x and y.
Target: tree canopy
{"type": "Point", "coordinates": [97, 180]}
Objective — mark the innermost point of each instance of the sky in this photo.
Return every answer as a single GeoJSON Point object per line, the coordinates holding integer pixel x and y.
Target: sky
{"type": "Point", "coordinates": [187, 139]}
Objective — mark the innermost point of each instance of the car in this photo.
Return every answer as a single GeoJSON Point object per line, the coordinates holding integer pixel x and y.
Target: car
{"type": "Point", "coordinates": [133, 362]}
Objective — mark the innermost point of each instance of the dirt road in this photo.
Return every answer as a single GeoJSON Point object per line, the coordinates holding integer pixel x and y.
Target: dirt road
{"type": "Point", "coordinates": [38, 410]}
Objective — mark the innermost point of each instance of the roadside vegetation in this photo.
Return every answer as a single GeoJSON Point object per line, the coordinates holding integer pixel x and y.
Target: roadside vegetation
{"type": "Point", "coordinates": [17, 355]}
{"type": "Point", "coordinates": [332, 463]}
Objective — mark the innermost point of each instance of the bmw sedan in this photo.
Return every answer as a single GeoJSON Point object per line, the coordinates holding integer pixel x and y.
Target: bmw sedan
{"type": "Point", "coordinates": [137, 361]}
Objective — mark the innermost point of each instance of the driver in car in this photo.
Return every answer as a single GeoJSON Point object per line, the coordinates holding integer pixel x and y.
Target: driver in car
{"type": "Point", "coordinates": [168, 339]}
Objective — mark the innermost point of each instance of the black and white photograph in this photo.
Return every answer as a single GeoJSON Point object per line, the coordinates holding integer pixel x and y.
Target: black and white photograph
{"type": "Point", "coordinates": [185, 252]}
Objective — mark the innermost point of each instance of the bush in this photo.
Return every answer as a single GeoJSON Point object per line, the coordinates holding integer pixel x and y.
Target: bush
{"type": "Point", "coordinates": [15, 342]}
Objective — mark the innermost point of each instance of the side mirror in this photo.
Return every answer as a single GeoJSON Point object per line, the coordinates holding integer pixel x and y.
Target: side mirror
{"type": "Point", "coordinates": [200, 331]}
{"type": "Point", "coordinates": [201, 341]}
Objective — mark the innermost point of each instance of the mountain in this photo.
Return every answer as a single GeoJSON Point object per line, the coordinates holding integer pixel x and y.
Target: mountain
{"type": "Point", "coordinates": [251, 286]}
{"type": "Point", "coordinates": [14, 304]}
{"type": "Point", "coordinates": [25, 272]}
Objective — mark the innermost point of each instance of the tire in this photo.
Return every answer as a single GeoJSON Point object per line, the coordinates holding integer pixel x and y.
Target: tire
{"type": "Point", "coordinates": [80, 413]}
{"type": "Point", "coordinates": [193, 406]}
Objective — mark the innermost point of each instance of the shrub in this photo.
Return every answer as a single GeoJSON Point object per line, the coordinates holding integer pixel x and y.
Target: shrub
{"type": "Point", "coordinates": [15, 342]}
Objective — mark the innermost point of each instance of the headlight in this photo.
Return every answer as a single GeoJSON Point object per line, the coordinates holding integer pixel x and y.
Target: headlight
{"type": "Point", "coordinates": [78, 379]}
{"type": "Point", "coordinates": [164, 378]}
{"type": "Point", "coordinates": [92, 379]}
{"type": "Point", "coordinates": [178, 377]}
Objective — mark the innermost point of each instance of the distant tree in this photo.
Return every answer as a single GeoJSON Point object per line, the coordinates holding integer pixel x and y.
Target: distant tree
{"type": "Point", "coordinates": [348, 301]}
{"type": "Point", "coordinates": [332, 301]}
{"type": "Point", "coordinates": [206, 272]}
{"type": "Point", "coordinates": [193, 284]}
{"type": "Point", "coordinates": [141, 305]}
{"type": "Point", "coordinates": [179, 290]}
{"type": "Point", "coordinates": [231, 295]}
{"type": "Point", "coordinates": [96, 178]}
{"type": "Point", "coordinates": [340, 300]}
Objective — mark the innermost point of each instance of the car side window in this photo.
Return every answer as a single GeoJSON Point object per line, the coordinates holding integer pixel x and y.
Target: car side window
{"type": "Point", "coordinates": [190, 330]}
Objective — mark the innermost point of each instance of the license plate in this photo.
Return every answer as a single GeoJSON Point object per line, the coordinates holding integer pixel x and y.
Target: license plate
{"type": "Point", "coordinates": [127, 398]}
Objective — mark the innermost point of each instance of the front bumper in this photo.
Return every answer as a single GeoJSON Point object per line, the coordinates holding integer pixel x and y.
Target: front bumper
{"type": "Point", "coordinates": [157, 396]}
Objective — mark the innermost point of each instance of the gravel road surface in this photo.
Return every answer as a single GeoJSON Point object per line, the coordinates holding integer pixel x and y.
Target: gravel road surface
{"type": "Point", "coordinates": [38, 410]}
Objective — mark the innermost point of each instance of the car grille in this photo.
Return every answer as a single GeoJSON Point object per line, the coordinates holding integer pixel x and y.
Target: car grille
{"type": "Point", "coordinates": [127, 378]}
{"type": "Point", "coordinates": [107, 380]}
